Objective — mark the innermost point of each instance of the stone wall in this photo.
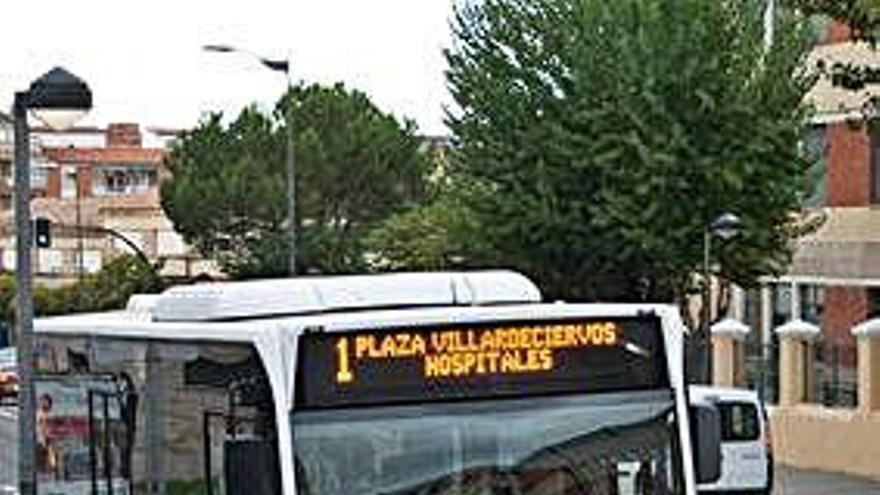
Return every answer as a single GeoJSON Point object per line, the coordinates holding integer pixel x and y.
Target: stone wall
{"type": "Point", "coordinates": [839, 440]}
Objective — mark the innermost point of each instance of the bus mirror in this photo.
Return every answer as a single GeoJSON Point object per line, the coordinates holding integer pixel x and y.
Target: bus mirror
{"type": "Point", "coordinates": [706, 436]}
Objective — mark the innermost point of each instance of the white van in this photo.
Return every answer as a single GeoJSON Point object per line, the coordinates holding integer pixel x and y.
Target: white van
{"type": "Point", "coordinates": [746, 447]}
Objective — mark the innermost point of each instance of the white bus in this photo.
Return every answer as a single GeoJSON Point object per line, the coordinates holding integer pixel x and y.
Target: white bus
{"type": "Point", "coordinates": [403, 384]}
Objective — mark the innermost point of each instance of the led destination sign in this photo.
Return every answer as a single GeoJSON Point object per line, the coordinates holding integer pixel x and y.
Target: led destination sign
{"type": "Point", "coordinates": [463, 353]}
{"type": "Point", "coordinates": [479, 360]}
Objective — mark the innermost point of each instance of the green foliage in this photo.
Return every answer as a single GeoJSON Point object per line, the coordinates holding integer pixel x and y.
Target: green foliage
{"type": "Point", "coordinates": [108, 289]}
{"type": "Point", "coordinates": [604, 137]}
{"type": "Point", "coordinates": [441, 234]}
{"type": "Point", "coordinates": [7, 296]}
{"type": "Point", "coordinates": [862, 16]}
{"type": "Point", "coordinates": [111, 287]}
{"type": "Point", "coordinates": [354, 167]}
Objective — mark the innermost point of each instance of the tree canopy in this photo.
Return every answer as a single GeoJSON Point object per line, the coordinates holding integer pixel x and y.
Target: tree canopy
{"type": "Point", "coordinates": [109, 288]}
{"type": "Point", "coordinates": [600, 139]}
{"type": "Point", "coordinates": [440, 234]}
{"type": "Point", "coordinates": [355, 165]}
{"type": "Point", "coordinates": [862, 16]}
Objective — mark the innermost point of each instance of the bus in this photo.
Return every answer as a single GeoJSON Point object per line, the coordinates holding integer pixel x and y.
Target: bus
{"type": "Point", "coordinates": [395, 384]}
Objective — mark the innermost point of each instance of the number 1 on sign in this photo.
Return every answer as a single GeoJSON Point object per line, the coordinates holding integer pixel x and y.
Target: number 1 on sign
{"type": "Point", "coordinates": [343, 370]}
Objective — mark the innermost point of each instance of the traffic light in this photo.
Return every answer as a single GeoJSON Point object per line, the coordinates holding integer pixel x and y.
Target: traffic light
{"type": "Point", "coordinates": [42, 232]}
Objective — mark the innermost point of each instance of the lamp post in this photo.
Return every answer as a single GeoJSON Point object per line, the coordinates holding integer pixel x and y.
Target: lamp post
{"type": "Point", "coordinates": [58, 99]}
{"type": "Point", "coordinates": [277, 65]}
{"type": "Point", "coordinates": [725, 227]}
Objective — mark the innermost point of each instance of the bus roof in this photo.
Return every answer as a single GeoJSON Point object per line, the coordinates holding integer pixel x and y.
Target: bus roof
{"type": "Point", "coordinates": [309, 295]}
{"type": "Point", "coordinates": [249, 311]}
{"type": "Point", "coordinates": [124, 324]}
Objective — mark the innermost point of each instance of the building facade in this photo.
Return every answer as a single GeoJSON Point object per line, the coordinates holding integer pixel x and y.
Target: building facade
{"type": "Point", "coordinates": [99, 188]}
{"type": "Point", "coordinates": [834, 279]}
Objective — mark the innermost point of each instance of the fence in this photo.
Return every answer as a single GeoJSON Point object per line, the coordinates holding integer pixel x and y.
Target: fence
{"type": "Point", "coordinates": [834, 373]}
{"type": "Point", "coordinates": [762, 369]}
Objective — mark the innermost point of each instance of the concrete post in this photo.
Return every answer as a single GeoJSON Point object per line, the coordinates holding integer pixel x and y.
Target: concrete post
{"type": "Point", "coordinates": [795, 361]}
{"type": "Point", "coordinates": [868, 335]}
{"type": "Point", "coordinates": [155, 421]}
{"type": "Point", "coordinates": [728, 366]}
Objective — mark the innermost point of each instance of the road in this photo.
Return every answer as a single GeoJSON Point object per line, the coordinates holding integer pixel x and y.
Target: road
{"type": "Point", "coordinates": [788, 481]}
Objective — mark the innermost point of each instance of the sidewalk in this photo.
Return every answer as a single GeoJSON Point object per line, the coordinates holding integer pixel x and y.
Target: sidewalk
{"type": "Point", "coordinates": [790, 481]}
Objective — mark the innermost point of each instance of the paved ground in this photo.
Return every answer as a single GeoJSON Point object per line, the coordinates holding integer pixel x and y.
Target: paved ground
{"type": "Point", "coordinates": [797, 482]}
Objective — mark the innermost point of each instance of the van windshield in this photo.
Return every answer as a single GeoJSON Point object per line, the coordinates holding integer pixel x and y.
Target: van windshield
{"type": "Point", "coordinates": [619, 443]}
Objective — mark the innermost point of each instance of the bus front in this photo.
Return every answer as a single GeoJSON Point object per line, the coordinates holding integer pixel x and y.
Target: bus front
{"type": "Point", "coordinates": [561, 405]}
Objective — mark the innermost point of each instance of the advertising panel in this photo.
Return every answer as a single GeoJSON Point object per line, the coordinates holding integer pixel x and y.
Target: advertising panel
{"type": "Point", "coordinates": [80, 436]}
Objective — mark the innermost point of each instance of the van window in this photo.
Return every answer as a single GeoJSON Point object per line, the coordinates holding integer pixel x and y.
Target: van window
{"type": "Point", "coordinates": [739, 422]}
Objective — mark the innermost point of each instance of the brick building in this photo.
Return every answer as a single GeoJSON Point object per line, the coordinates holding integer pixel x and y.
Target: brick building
{"type": "Point", "coordinates": [834, 280]}
{"type": "Point", "coordinates": [91, 183]}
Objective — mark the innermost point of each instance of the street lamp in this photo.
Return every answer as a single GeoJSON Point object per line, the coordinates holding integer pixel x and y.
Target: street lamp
{"type": "Point", "coordinates": [277, 66]}
{"type": "Point", "coordinates": [724, 227]}
{"type": "Point", "coordinates": [58, 99]}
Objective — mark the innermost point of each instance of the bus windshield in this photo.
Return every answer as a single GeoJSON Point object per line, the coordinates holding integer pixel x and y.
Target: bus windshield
{"type": "Point", "coordinates": [620, 443]}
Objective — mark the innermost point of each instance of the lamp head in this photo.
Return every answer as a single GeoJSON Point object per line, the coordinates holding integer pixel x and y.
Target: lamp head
{"type": "Point", "coordinates": [59, 98]}
{"type": "Point", "coordinates": [726, 226]}
{"type": "Point", "coordinates": [218, 48]}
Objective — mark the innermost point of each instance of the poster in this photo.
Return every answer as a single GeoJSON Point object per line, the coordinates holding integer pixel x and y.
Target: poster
{"type": "Point", "coordinates": [65, 438]}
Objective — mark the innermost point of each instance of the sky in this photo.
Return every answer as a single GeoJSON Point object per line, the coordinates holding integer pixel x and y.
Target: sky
{"type": "Point", "coordinates": [144, 62]}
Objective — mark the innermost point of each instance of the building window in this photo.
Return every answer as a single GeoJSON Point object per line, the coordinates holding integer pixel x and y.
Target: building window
{"type": "Point", "coordinates": [816, 150]}
{"type": "Point", "coordinates": [68, 182]}
{"type": "Point", "coordinates": [9, 259]}
{"type": "Point", "coordinates": [873, 303]}
{"type": "Point", "coordinates": [781, 304]}
{"type": "Point", "coordinates": [117, 180]}
{"type": "Point", "coordinates": [50, 261]}
{"type": "Point", "coordinates": [812, 303]}
{"type": "Point", "coordinates": [874, 129]}
{"type": "Point", "coordinates": [39, 177]}
{"type": "Point", "coordinates": [91, 260]}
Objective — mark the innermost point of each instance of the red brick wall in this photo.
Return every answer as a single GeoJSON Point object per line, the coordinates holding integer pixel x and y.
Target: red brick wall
{"type": "Point", "coordinates": [123, 136]}
{"type": "Point", "coordinates": [844, 308]}
{"type": "Point", "coordinates": [849, 165]}
{"type": "Point", "coordinates": [84, 181]}
{"type": "Point", "coordinates": [53, 183]}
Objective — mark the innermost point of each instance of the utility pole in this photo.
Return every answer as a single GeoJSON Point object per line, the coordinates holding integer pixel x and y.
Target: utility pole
{"type": "Point", "coordinates": [291, 176]}
{"type": "Point", "coordinates": [278, 65]}
{"type": "Point", "coordinates": [24, 318]}
{"type": "Point", "coordinates": [57, 98]}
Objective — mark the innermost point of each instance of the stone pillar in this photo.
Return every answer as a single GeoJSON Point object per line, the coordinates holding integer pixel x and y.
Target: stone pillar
{"type": "Point", "coordinates": [795, 361]}
{"type": "Point", "coordinates": [728, 366]}
{"type": "Point", "coordinates": [868, 335]}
